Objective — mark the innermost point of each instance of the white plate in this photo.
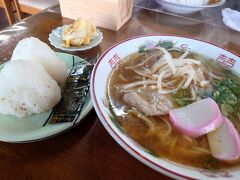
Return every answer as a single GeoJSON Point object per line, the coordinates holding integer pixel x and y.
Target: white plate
{"type": "Point", "coordinates": [185, 8]}
{"type": "Point", "coordinates": [13, 129]}
{"type": "Point", "coordinates": [99, 80]}
{"type": "Point", "coordinates": [55, 39]}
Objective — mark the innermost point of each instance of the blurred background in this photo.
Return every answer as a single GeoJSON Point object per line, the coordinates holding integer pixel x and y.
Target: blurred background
{"type": "Point", "coordinates": [12, 11]}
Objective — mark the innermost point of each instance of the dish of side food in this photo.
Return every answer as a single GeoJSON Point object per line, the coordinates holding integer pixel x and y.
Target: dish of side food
{"type": "Point", "coordinates": [33, 96]}
{"type": "Point", "coordinates": [79, 36]}
{"type": "Point", "coordinates": [188, 6]}
{"type": "Point", "coordinates": [172, 103]}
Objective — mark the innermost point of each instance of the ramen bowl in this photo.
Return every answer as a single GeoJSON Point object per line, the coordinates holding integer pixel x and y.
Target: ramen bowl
{"type": "Point", "coordinates": [182, 8]}
{"type": "Point", "coordinates": [111, 59]}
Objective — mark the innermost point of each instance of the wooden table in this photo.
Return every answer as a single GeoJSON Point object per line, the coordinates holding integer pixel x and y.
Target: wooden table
{"type": "Point", "coordinates": [88, 151]}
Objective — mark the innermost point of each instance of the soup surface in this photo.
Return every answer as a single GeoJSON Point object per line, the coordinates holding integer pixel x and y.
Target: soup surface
{"type": "Point", "coordinates": [141, 107]}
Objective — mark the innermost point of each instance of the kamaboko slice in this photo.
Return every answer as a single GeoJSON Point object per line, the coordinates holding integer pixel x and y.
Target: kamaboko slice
{"type": "Point", "coordinates": [198, 118]}
{"type": "Point", "coordinates": [224, 142]}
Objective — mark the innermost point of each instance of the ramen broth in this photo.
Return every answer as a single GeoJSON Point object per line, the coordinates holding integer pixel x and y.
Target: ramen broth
{"type": "Point", "coordinates": [155, 133]}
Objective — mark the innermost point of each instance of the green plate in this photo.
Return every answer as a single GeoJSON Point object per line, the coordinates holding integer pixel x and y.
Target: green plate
{"type": "Point", "coordinates": [13, 129]}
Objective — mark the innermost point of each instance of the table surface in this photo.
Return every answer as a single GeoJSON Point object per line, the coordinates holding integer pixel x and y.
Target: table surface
{"type": "Point", "coordinates": [87, 151]}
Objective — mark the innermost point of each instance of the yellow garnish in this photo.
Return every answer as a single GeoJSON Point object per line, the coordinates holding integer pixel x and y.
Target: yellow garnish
{"type": "Point", "coordinates": [80, 33]}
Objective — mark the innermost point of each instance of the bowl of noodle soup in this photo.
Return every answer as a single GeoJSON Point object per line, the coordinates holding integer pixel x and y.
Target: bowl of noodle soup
{"type": "Point", "coordinates": [133, 89]}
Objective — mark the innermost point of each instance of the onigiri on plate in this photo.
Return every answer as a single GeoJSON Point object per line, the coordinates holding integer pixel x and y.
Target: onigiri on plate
{"type": "Point", "coordinates": [32, 49]}
{"type": "Point", "coordinates": [26, 89]}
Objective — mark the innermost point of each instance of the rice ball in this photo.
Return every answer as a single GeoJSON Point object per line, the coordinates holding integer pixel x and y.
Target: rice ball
{"type": "Point", "coordinates": [26, 89]}
{"type": "Point", "coordinates": [32, 49]}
